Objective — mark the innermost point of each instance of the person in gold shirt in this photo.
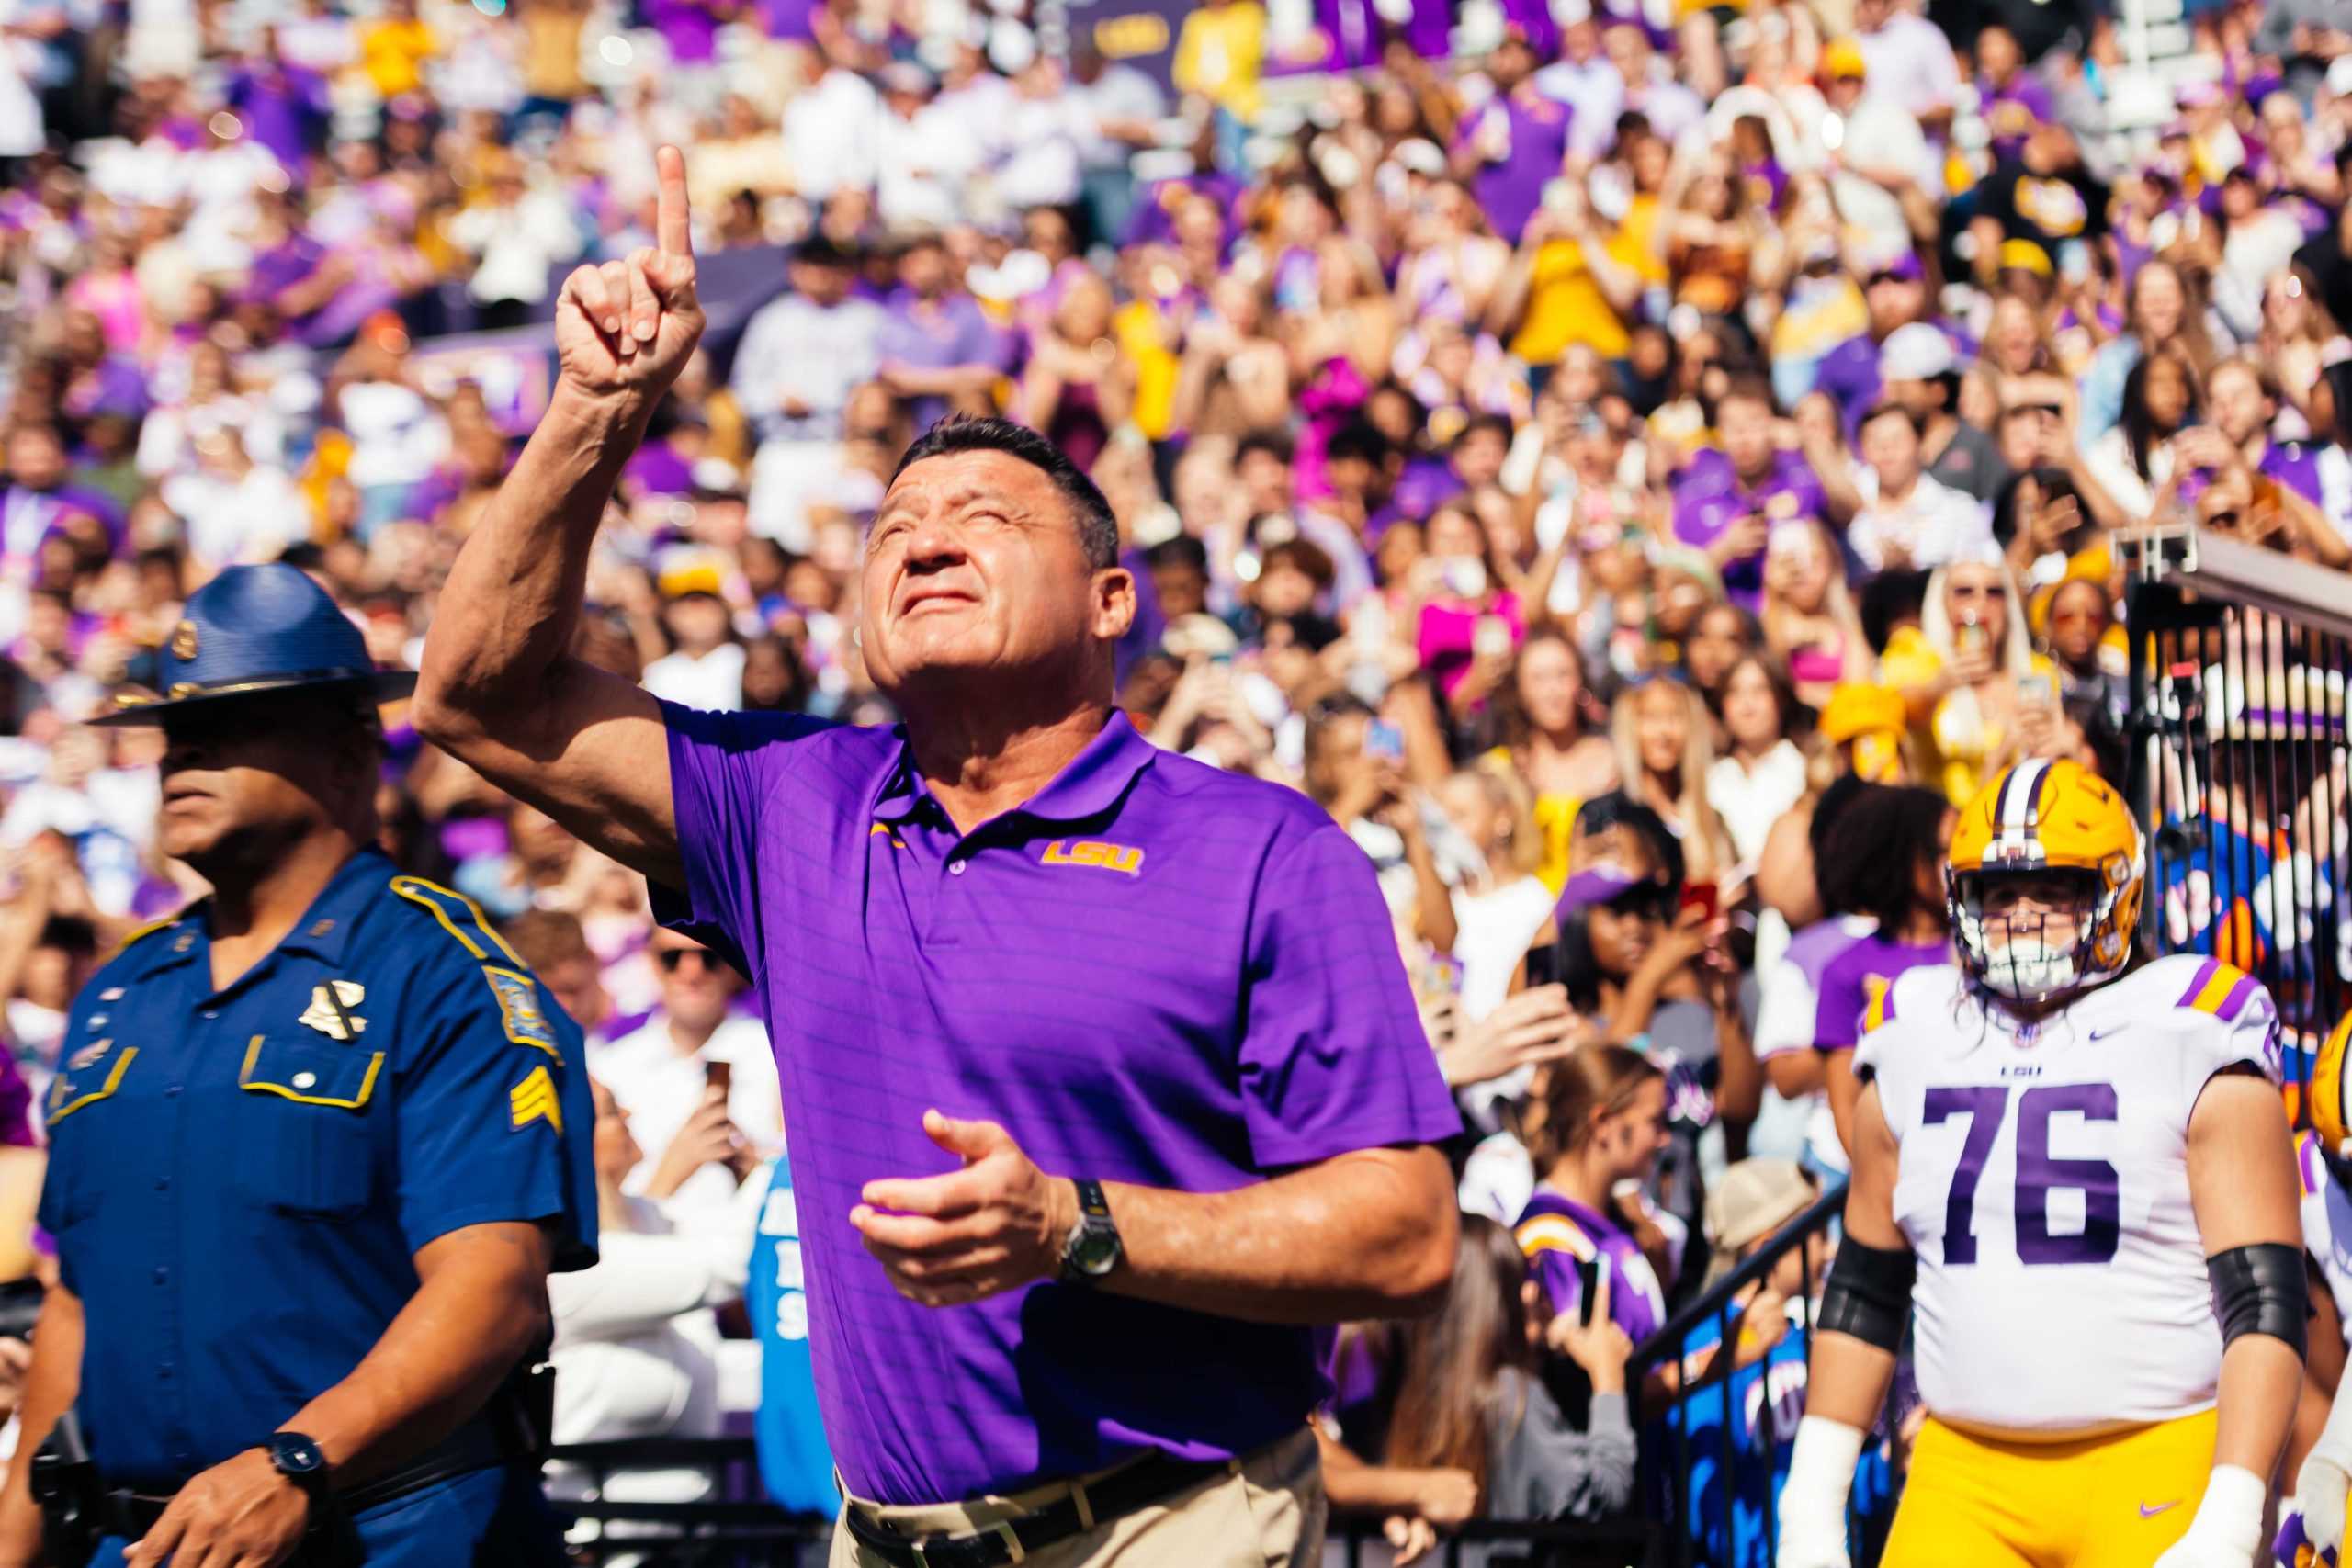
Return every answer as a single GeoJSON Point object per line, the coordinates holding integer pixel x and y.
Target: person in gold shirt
{"type": "Point", "coordinates": [1219, 54]}
{"type": "Point", "coordinates": [1980, 698]}
{"type": "Point", "coordinates": [394, 48]}
{"type": "Point", "coordinates": [1571, 282]}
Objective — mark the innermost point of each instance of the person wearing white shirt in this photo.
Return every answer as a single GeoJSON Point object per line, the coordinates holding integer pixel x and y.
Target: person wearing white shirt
{"type": "Point", "coordinates": [801, 358]}
{"type": "Point", "coordinates": [1910, 60]}
{"type": "Point", "coordinates": [1583, 79]}
{"type": "Point", "coordinates": [1761, 775]}
{"type": "Point", "coordinates": [660, 1075]}
{"type": "Point", "coordinates": [516, 237]}
{"type": "Point", "coordinates": [1908, 520]}
{"type": "Point", "coordinates": [706, 669]}
{"type": "Point", "coordinates": [1036, 144]}
{"type": "Point", "coordinates": [922, 153]}
{"type": "Point", "coordinates": [829, 134]}
{"type": "Point", "coordinates": [238, 512]}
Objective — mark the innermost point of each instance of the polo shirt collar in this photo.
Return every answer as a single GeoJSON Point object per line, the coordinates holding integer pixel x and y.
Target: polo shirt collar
{"type": "Point", "coordinates": [1090, 784]}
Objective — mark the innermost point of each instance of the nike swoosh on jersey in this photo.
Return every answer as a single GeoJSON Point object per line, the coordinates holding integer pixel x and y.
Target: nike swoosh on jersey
{"type": "Point", "coordinates": [2149, 1513]}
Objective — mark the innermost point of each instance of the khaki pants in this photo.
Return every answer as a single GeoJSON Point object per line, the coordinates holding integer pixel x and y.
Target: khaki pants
{"type": "Point", "coordinates": [1267, 1511]}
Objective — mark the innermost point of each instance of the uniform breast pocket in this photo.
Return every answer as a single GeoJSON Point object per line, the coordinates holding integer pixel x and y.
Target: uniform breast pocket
{"type": "Point", "coordinates": [306, 1116]}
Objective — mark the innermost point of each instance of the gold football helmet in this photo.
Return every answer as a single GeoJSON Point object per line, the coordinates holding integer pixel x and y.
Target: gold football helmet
{"type": "Point", "coordinates": [2056, 820]}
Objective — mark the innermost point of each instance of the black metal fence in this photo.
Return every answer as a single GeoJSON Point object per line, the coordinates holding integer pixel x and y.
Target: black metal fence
{"type": "Point", "coordinates": [2238, 768]}
{"type": "Point", "coordinates": [1711, 1466]}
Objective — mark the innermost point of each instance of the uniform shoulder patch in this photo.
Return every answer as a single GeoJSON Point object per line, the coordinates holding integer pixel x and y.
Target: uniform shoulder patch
{"type": "Point", "coordinates": [535, 1100]}
{"type": "Point", "coordinates": [518, 1007]}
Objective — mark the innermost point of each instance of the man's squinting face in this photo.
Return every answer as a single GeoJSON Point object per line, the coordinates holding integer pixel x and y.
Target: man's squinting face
{"type": "Point", "coordinates": [974, 563]}
{"type": "Point", "coordinates": [245, 776]}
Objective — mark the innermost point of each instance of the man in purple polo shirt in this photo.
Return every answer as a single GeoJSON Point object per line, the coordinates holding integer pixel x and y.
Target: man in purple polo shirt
{"type": "Point", "coordinates": [1728, 501]}
{"type": "Point", "coordinates": [1513, 144]}
{"type": "Point", "coordinates": [1103, 1078]}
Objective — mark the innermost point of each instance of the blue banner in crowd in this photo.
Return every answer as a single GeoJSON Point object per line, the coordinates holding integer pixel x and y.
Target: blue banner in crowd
{"type": "Point", "coordinates": [795, 1465]}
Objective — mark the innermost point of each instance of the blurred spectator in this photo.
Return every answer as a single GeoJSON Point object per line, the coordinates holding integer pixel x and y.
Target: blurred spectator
{"type": "Point", "coordinates": [1471, 1400]}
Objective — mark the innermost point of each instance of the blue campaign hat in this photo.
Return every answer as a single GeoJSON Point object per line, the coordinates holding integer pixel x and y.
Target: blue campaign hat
{"type": "Point", "coordinates": [254, 631]}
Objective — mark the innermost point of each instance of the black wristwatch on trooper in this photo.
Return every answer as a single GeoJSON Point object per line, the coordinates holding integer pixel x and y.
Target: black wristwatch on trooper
{"type": "Point", "coordinates": [301, 1461]}
{"type": "Point", "coordinates": [1092, 1248]}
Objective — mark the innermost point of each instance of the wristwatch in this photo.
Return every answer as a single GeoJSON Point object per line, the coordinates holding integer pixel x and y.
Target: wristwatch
{"type": "Point", "coordinates": [1092, 1248]}
{"type": "Point", "coordinates": [301, 1461]}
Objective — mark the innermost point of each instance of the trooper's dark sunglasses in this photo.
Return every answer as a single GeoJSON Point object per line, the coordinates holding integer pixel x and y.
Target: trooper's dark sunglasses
{"type": "Point", "coordinates": [671, 957]}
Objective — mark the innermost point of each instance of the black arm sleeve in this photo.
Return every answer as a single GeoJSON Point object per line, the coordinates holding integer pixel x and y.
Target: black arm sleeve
{"type": "Point", "coordinates": [2260, 1289]}
{"type": "Point", "coordinates": [1869, 1293]}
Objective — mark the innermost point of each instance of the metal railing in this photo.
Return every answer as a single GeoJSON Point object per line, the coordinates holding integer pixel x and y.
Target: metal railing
{"type": "Point", "coordinates": [1672, 1524]}
{"type": "Point", "coordinates": [2238, 658]}
{"type": "Point", "coordinates": [1733, 1418]}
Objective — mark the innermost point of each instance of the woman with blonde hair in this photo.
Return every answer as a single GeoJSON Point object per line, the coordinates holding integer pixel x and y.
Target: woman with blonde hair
{"type": "Point", "coordinates": [1979, 697]}
{"type": "Point", "coordinates": [2299, 338]}
{"type": "Point", "coordinates": [1664, 746]}
{"type": "Point", "coordinates": [1810, 622]}
{"type": "Point", "coordinates": [1500, 904]}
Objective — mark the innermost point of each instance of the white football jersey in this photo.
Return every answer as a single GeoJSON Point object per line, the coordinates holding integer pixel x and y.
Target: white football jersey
{"type": "Point", "coordinates": [2042, 1178]}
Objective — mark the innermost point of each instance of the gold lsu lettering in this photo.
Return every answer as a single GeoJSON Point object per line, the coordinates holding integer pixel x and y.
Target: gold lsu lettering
{"type": "Point", "coordinates": [1094, 853]}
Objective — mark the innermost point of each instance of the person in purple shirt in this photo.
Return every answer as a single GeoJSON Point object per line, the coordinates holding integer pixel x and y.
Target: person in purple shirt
{"type": "Point", "coordinates": [1605, 1123]}
{"type": "Point", "coordinates": [936, 345]}
{"type": "Point", "coordinates": [1727, 501]}
{"type": "Point", "coordinates": [1105, 1078]}
{"type": "Point", "coordinates": [1888, 844]}
{"type": "Point", "coordinates": [2012, 100]}
{"type": "Point", "coordinates": [1515, 144]}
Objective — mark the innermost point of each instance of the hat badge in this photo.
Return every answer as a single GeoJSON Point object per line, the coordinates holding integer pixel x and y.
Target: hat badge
{"type": "Point", "coordinates": [184, 641]}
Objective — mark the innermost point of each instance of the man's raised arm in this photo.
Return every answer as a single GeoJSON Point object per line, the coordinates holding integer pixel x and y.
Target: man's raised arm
{"type": "Point", "coordinates": [500, 687]}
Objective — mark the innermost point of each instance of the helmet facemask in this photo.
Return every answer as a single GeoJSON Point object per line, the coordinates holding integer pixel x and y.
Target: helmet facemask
{"type": "Point", "coordinates": [2039, 955]}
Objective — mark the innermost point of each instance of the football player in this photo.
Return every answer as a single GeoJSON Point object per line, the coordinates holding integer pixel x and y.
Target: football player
{"type": "Point", "coordinates": [2077, 1182]}
{"type": "Point", "coordinates": [2326, 1473]}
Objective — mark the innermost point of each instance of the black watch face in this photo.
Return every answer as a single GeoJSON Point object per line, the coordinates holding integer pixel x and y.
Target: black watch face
{"type": "Point", "coordinates": [296, 1456]}
{"type": "Point", "coordinates": [1096, 1252]}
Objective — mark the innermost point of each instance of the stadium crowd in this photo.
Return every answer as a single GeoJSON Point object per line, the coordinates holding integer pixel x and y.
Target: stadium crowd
{"type": "Point", "coordinates": [1639, 468]}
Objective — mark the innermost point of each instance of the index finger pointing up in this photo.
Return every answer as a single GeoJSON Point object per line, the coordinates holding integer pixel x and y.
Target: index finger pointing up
{"type": "Point", "coordinates": [671, 222]}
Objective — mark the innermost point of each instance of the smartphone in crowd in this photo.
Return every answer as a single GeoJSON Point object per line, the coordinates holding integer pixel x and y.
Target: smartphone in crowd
{"type": "Point", "coordinates": [1384, 740]}
{"type": "Point", "coordinates": [1588, 1287]}
{"type": "Point", "coordinates": [719, 1075]}
{"type": "Point", "coordinates": [1703, 896]}
{"type": "Point", "coordinates": [1543, 965]}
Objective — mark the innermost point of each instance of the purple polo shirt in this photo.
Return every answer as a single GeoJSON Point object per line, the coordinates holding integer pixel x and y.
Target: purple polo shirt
{"type": "Point", "coordinates": [1807, 957]}
{"type": "Point", "coordinates": [1709, 497]}
{"type": "Point", "coordinates": [1154, 972]}
{"type": "Point", "coordinates": [938, 334]}
{"type": "Point", "coordinates": [1855, 978]}
{"type": "Point", "coordinates": [1510, 188]}
{"type": "Point", "coordinates": [1557, 1233]}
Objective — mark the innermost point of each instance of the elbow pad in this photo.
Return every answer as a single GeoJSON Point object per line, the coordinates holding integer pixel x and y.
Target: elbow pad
{"type": "Point", "coordinates": [2260, 1289]}
{"type": "Point", "coordinates": [1869, 1293]}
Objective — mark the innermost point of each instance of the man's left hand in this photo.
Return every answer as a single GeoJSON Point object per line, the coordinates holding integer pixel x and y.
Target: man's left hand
{"type": "Point", "coordinates": [992, 1227]}
{"type": "Point", "coordinates": [239, 1514]}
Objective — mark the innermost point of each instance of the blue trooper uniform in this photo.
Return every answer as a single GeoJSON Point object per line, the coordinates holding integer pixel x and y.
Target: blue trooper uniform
{"type": "Point", "coordinates": [240, 1177]}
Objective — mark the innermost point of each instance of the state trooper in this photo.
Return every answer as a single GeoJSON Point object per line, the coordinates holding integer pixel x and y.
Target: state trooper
{"type": "Point", "coordinates": [316, 1145]}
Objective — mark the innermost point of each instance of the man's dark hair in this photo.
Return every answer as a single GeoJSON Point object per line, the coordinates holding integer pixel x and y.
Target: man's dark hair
{"type": "Point", "coordinates": [1272, 443]}
{"type": "Point", "coordinates": [1494, 424]}
{"type": "Point", "coordinates": [819, 250]}
{"type": "Point", "coordinates": [1890, 411]}
{"type": "Point", "coordinates": [1098, 530]}
{"type": "Point", "coordinates": [1184, 549]}
{"type": "Point", "coordinates": [1752, 387]}
{"type": "Point", "coordinates": [1359, 439]}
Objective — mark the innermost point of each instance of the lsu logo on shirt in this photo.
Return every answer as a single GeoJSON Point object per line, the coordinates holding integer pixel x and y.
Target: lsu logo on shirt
{"type": "Point", "coordinates": [1094, 853]}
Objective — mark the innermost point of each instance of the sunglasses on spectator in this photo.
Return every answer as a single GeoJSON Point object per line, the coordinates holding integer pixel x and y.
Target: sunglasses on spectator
{"type": "Point", "coordinates": [2051, 409]}
{"type": "Point", "coordinates": [1990, 591]}
{"type": "Point", "coordinates": [671, 957]}
{"type": "Point", "coordinates": [1648, 902]}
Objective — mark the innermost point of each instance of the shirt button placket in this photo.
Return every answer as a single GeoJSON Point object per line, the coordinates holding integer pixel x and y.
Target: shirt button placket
{"type": "Point", "coordinates": [171, 1278]}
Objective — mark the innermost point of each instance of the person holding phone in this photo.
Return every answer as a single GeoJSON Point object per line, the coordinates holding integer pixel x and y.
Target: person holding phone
{"type": "Point", "coordinates": [698, 1084]}
{"type": "Point", "coordinates": [1471, 1397]}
